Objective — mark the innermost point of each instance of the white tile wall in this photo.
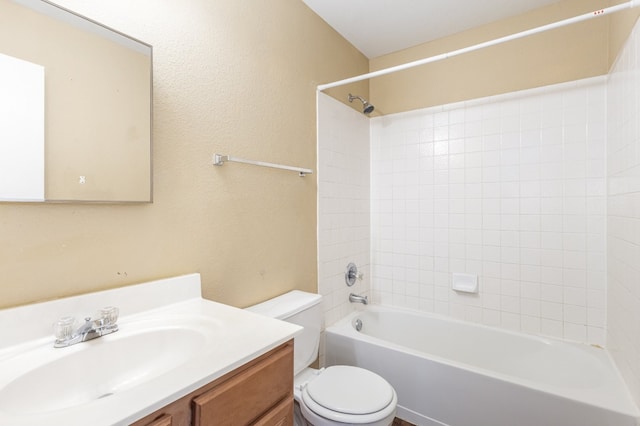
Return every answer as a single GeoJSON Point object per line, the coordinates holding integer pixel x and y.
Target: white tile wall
{"type": "Point", "coordinates": [623, 154]}
{"type": "Point", "coordinates": [343, 204]}
{"type": "Point", "coordinates": [511, 188]}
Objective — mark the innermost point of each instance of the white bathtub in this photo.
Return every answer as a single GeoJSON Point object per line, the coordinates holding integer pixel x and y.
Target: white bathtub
{"type": "Point", "coordinates": [448, 372]}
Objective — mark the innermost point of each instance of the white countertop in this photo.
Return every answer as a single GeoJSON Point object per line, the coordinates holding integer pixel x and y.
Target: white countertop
{"type": "Point", "coordinates": [234, 337]}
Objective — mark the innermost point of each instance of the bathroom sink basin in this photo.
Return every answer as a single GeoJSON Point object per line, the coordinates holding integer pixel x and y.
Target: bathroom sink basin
{"type": "Point", "coordinates": [47, 379]}
{"type": "Point", "coordinates": [170, 342]}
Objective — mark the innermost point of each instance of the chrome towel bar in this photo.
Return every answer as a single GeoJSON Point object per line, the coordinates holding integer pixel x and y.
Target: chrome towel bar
{"type": "Point", "coordinates": [219, 160]}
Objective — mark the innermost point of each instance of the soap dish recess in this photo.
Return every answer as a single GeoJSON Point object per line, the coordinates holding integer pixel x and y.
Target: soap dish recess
{"type": "Point", "coordinates": [465, 283]}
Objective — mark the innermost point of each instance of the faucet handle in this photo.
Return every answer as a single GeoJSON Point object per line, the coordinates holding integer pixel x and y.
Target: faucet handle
{"type": "Point", "coordinates": [63, 328]}
{"type": "Point", "coordinates": [351, 274]}
{"type": "Point", "coordinates": [109, 316]}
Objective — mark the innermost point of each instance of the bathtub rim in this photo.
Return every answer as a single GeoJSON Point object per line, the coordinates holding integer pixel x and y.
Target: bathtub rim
{"type": "Point", "coordinates": [627, 406]}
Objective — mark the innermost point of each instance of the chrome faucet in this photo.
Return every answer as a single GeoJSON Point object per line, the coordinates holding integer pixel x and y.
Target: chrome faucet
{"type": "Point", "coordinates": [91, 329]}
{"type": "Point", "coordinates": [354, 298]}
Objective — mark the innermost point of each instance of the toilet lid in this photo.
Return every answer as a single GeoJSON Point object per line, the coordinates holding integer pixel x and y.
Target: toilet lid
{"type": "Point", "coordinates": [350, 390]}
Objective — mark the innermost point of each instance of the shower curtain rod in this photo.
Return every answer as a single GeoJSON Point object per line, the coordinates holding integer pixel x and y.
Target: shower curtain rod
{"type": "Point", "coordinates": [595, 14]}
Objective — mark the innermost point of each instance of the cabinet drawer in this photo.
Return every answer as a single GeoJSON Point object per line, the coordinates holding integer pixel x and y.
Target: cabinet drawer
{"type": "Point", "coordinates": [165, 420]}
{"type": "Point", "coordinates": [248, 395]}
{"type": "Point", "coordinates": [280, 415]}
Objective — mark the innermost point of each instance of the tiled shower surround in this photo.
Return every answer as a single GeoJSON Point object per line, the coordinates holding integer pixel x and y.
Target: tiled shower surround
{"type": "Point", "coordinates": [537, 192]}
{"type": "Point", "coordinates": [623, 231]}
{"type": "Point", "coordinates": [343, 205]}
{"type": "Point", "coordinates": [510, 188]}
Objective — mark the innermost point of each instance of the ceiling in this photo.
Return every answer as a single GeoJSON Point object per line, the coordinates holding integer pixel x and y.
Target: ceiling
{"type": "Point", "coordinates": [378, 27]}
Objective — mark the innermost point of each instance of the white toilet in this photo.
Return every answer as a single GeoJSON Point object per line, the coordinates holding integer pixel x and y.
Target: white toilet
{"type": "Point", "coordinates": [338, 395]}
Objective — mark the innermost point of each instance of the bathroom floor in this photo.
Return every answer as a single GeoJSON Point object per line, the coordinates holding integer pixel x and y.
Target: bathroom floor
{"type": "Point", "coordinates": [400, 422]}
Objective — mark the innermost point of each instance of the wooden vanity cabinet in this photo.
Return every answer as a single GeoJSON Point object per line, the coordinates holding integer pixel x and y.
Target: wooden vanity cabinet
{"type": "Point", "coordinates": [258, 393]}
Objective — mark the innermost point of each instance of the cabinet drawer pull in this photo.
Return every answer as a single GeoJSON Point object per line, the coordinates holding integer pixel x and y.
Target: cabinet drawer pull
{"type": "Point", "coordinates": [164, 420]}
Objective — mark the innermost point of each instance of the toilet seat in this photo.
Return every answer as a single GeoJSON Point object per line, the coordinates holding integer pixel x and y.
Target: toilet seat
{"type": "Point", "coordinates": [349, 395]}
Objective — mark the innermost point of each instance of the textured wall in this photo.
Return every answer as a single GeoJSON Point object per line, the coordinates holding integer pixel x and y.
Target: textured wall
{"type": "Point", "coordinates": [566, 54]}
{"type": "Point", "coordinates": [234, 77]}
{"type": "Point", "coordinates": [620, 26]}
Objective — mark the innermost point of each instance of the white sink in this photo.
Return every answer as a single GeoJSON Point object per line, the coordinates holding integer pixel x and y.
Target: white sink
{"type": "Point", "coordinates": [170, 342]}
{"type": "Point", "coordinates": [48, 379]}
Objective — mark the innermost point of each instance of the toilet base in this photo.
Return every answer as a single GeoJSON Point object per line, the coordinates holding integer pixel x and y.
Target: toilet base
{"type": "Point", "coordinates": [309, 418]}
{"type": "Point", "coordinates": [298, 418]}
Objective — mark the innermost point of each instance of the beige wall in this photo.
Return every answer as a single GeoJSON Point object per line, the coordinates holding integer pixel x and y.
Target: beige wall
{"type": "Point", "coordinates": [239, 78]}
{"type": "Point", "coordinates": [565, 54]}
{"type": "Point", "coordinates": [233, 77]}
{"type": "Point", "coordinates": [620, 26]}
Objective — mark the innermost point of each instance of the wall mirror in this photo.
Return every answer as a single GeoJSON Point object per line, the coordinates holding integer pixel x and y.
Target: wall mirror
{"type": "Point", "coordinates": [75, 108]}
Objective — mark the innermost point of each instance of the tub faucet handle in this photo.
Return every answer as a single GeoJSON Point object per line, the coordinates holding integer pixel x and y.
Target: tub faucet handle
{"type": "Point", "coordinates": [351, 274]}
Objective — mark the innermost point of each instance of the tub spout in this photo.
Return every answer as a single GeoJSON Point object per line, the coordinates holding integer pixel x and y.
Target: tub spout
{"type": "Point", "coordinates": [354, 298]}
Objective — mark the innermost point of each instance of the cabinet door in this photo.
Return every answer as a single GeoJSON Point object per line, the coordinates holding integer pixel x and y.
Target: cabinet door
{"type": "Point", "coordinates": [248, 395]}
{"type": "Point", "coordinates": [280, 415]}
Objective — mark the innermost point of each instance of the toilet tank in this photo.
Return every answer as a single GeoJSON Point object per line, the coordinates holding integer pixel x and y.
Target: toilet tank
{"type": "Point", "coordinates": [301, 308]}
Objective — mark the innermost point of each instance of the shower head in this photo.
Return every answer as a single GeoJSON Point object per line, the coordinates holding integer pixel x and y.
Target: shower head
{"type": "Point", "coordinates": [367, 108]}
